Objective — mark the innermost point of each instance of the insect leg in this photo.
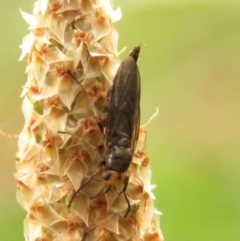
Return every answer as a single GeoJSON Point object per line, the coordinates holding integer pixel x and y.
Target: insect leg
{"type": "Point", "coordinates": [108, 189]}
{"type": "Point", "coordinates": [125, 196]}
{"type": "Point", "coordinates": [72, 75]}
{"type": "Point", "coordinates": [64, 132]}
{"type": "Point", "coordinates": [93, 108]}
{"type": "Point", "coordinates": [82, 186]}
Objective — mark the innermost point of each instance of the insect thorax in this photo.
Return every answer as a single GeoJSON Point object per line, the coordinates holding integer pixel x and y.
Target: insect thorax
{"type": "Point", "coordinates": [119, 158]}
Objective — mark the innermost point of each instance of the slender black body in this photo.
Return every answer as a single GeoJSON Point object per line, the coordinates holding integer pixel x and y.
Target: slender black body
{"type": "Point", "coordinates": [123, 119]}
{"type": "Point", "coordinates": [123, 115]}
{"type": "Point", "coordinates": [121, 123]}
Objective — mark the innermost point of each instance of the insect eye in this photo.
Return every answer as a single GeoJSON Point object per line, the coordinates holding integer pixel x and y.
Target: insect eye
{"type": "Point", "coordinates": [106, 175]}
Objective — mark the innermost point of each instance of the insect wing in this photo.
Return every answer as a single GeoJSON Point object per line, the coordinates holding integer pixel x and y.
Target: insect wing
{"type": "Point", "coordinates": [124, 105]}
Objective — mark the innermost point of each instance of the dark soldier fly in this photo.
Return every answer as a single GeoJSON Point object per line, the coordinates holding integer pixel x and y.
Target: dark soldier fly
{"type": "Point", "coordinates": [121, 126]}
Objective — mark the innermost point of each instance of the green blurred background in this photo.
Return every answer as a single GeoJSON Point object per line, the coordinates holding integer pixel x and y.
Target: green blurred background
{"type": "Point", "coordinates": [189, 70]}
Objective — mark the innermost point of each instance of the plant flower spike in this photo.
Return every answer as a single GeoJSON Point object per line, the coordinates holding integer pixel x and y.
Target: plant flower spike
{"type": "Point", "coordinates": [72, 60]}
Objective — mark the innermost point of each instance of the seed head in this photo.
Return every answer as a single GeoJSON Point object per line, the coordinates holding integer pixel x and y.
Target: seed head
{"type": "Point", "coordinates": [72, 58]}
